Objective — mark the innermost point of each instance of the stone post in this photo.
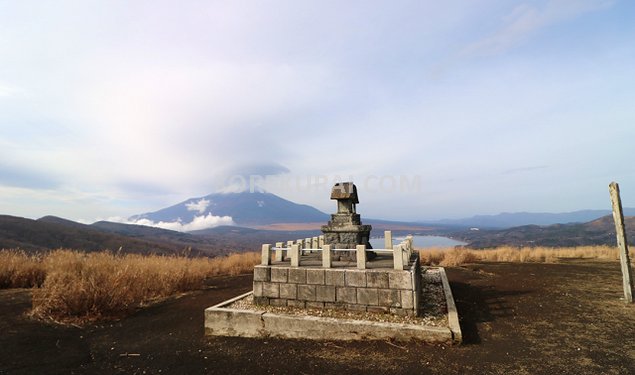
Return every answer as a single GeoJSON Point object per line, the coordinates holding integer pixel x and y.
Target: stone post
{"type": "Point", "coordinates": [326, 256]}
{"type": "Point", "coordinates": [622, 242]}
{"type": "Point", "coordinates": [388, 239]}
{"type": "Point", "coordinates": [405, 254]}
{"type": "Point", "coordinates": [266, 255]}
{"type": "Point", "coordinates": [288, 254]}
{"type": "Point", "coordinates": [321, 241]}
{"type": "Point", "coordinates": [397, 258]}
{"type": "Point", "coordinates": [361, 257]}
{"type": "Point", "coordinates": [307, 244]}
{"type": "Point", "coordinates": [295, 255]}
{"type": "Point", "coordinates": [279, 252]}
{"type": "Point", "coordinates": [300, 243]}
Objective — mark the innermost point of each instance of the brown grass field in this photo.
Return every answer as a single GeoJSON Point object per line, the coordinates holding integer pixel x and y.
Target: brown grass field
{"type": "Point", "coordinates": [458, 256]}
{"type": "Point", "coordinates": [77, 288]}
{"type": "Point", "coordinates": [522, 311]}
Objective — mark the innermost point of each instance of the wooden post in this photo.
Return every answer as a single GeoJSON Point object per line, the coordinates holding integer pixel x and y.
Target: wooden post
{"type": "Point", "coordinates": [388, 239]}
{"type": "Point", "coordinates": [265, 258]}
{"type": "Point", "coordinates": [361, 257]}
{"type": "Point", "coordinates": [295, 255]}
{"type": "Point", "coordinates": [326, 256]}
{"type": "Point", "coordinates": [622, 243]}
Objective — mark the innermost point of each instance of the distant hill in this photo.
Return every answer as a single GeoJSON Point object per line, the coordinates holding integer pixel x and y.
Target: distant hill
{"type": "Point", "coordinates": [509, 220]}
{"type": "Point", "coordinates": [597, 232]}
{"type": "Point", "coordinates": [53, 233]}
{"type": "Point", "coordinates": [246, 209]}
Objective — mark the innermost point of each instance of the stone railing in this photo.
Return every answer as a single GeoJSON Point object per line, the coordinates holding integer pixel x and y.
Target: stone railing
{"type": "Point", "coordinates": [293, 250]}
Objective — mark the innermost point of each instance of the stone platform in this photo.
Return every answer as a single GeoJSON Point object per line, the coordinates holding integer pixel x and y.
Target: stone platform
{"type": "Point", "coordinates": [378, 288]}
{"type": "Point", "coordinates": [232, 318]}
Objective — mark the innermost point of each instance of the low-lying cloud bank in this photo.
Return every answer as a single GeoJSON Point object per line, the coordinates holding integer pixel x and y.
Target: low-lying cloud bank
{"type": "Point", "coordinates": [198, 223]}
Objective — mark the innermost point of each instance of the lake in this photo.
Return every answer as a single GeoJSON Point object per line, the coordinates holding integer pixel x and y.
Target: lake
{"type": "Point", "coordinates": [419, 241]}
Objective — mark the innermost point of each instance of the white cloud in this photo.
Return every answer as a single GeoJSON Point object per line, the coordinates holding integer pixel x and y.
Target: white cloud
{"type": "Point", "coordinates": [198, 223]}
{"type": "Point", "coordinates": [199, 206]}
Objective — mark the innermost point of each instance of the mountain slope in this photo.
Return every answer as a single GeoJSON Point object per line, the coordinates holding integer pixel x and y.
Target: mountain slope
{"type": "Point", "coordinates": [244, 208]}
{"type": "Point", "coordinates": [54, 233]}
{"type": "Point", "coordinates": [597, 232]}
{"type": "Point", "coordinates": [509, 220]}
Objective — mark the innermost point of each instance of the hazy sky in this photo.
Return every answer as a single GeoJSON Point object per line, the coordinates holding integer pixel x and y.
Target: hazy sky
{"type": "Point", "coordinates": [113, 108]}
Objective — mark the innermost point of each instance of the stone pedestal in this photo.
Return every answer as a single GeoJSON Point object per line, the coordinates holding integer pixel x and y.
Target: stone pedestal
{"type": "Point", "coordinates": [345, 229]}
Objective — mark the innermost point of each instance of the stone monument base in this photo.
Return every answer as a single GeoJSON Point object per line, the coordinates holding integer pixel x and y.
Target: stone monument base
{"type": "Point", "coordinates": [230, 319]}
{"type": "Point", "coordinates": [375, 290]}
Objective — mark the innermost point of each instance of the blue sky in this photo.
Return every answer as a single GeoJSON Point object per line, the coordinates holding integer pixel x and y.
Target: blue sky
{"type": "Point", "coordinates": [113, 108]}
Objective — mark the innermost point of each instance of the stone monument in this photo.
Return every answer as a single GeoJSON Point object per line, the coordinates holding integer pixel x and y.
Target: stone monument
{"type": "Point", "coordinates": [345, 229]}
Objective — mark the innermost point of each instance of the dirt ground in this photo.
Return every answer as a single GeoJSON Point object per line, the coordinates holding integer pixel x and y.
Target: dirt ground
{"type": "Point", "coordinates": [564, 318]}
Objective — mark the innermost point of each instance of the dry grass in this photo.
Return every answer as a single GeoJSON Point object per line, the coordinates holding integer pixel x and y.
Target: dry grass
{"type": "Point", "coordinates": [77, 287]}
{"type": "Point", "coordinates": [19, 270]}
{"type": "Point", "coordinates": [458, 256]}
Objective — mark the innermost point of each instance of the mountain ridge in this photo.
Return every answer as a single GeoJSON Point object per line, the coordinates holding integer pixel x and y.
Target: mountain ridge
{"type": "Point", "coordinates": [514, 219]}
{"type": "Point", "coordinates": [596, 232]}
{"type": "Point", "coordinates": [244, 209]}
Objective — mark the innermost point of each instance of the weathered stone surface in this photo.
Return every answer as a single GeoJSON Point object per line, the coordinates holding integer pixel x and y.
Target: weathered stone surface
{"type": "Point", "coordinates": [355, 278]}
{"type": "Point", "coordinates": [271, 290]}
{"type": "Point", "coordinates": [398, 311]}
{"type": "Point", "coordinates": [334, 277]}
{"type": "Point", "coordinates": [407, 301]}
{"type": "Point", "coordinates": [261, 300]}
{"type": "Point", "coordinates": [376, 279]}
{"type": "Point", "coordinates": [356, 307]}
{"type": "Point", "coordinates": [306, 292]}
{"type": "Point", "coordinates": [367, 296]}
{"type": "Point", "coordinates": [315, 277]}
{"type": "Point", "coordinates": [278, 302]}
{"type": "Point", "coordinates": [346, 295]}
{"type": "Point", "coordinates": [279, 275]}
{"type": "Point", "coordinates": [297, 275]}
{"type": "Point", "coordinates": [389, 297]}
{"type": "Point", "coordinates": [345, 229]}
{"type": "Point", "coordinates": [400, 280]}
{"type": "Point", "coordinates": [377, 309]}
{"type": "Point", "coordinates": [258, 288]}
{"type": "Point", "coordinates": [219, 322]}
{"type": "Point", "coordinates": [260, 324]}
{"type": "Point", "coordinates": [325, 293]}
{"type": "Point", "coordinates": [289, 291]}
{"type": "Point", "coordinates": [296, 303]}
{"type": "Point", "coordinates": [334, 305]}
{"type": "Point", "coordinates": [262, 273]}
{"type": "Point", "coordinates": [315, 305]}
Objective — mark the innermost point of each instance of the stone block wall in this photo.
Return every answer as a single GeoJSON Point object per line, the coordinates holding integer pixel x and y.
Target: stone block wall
{"type": "Point", "coordinates": [374, 290]}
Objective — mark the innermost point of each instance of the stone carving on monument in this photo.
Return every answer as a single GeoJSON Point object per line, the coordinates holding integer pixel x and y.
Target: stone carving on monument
{"type": "Point", "coordinates": [345, 229]}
